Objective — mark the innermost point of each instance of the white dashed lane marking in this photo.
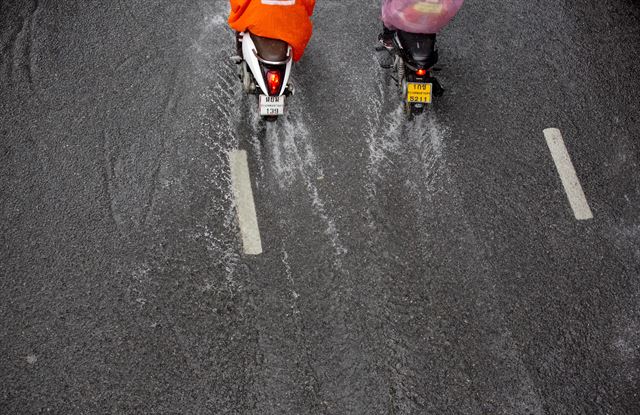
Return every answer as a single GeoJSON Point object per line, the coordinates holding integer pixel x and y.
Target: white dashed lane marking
{"type": "Point", "coordinates": [567, 173]}
{"type": "Point", "coordinates": [245, 206]}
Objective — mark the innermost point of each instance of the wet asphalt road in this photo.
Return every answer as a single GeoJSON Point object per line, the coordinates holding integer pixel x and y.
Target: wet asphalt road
{"type": "Point", "coordinates": [424, 267]}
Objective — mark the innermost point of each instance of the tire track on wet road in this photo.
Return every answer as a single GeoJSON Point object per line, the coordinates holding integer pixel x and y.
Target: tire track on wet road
{"type": "Point", "coordinates": [425, 320]}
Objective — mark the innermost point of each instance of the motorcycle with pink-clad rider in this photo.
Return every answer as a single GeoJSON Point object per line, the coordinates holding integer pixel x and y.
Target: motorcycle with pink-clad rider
{"type": "Point", "coordinates": [409, 36]}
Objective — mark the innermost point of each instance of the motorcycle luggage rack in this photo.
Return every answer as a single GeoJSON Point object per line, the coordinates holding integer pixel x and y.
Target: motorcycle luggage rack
{"type": "Point", "coordinates": [267, 62]}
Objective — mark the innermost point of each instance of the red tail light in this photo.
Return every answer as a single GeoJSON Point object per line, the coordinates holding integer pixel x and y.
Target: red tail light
{"type": "Point", "coordinates": [273, 82]}
{"type": "Point", "coordinates": [421, 72]}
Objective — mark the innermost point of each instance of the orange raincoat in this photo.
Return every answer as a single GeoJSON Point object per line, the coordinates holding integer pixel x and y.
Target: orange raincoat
{"type": "Point", "coordinates": [287, 20]}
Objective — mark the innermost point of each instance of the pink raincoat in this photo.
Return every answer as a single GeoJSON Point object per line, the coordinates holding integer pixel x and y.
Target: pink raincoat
{"type": "Point", "coordinates": [419, 16]}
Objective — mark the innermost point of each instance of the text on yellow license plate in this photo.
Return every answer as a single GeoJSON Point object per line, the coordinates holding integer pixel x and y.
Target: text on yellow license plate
{"type": "Point", "coordinates": [418, 92]}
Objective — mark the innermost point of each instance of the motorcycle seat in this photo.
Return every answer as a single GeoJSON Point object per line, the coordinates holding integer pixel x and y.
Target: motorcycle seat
{"type": "Point", "coordinates": [272, 50]}
{"type": "Point", "coordinates": [420, 46]}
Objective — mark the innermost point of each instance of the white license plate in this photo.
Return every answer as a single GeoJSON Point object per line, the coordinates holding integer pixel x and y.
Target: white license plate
{"type": "Point", "coordinates": [271, 105]}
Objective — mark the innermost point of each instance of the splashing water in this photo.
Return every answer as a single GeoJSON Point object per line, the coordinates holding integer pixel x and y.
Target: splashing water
{"type": "Point", "coordinates": [294, 159]}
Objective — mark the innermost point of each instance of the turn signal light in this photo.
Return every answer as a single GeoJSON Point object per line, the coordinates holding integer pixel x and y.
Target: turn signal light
{"type": "Point", "coordinates": [273, 82]}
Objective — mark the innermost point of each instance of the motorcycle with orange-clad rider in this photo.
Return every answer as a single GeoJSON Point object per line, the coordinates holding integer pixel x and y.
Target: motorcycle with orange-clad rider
{"type": "Point", "coordinates": [270, 36]}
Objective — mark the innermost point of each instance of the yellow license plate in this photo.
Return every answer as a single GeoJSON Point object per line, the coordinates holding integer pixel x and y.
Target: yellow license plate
{"type": "Point", "coordinates": [418, 93]}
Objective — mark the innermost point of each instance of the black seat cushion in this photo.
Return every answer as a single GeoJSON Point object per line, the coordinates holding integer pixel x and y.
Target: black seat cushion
{"type": "Point", "coordinates": [419, 46]}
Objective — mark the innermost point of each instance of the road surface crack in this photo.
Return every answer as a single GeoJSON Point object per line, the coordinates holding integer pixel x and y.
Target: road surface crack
{"type": "Point", "coordinates": [21, 36]}
{"type": "Point", "coordinates": [108, 175]}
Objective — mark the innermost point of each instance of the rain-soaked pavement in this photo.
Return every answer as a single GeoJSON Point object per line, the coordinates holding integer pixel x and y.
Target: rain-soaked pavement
{"type": "Point", "coordinates": [431, 266]}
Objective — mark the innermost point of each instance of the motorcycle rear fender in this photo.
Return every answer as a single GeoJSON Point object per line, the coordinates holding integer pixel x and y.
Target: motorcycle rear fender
{"type": "Point", "coordinates": [249, 54]}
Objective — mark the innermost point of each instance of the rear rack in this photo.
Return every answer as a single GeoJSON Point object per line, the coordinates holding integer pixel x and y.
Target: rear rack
{"type": "Point", "coordinates": [272, 62]}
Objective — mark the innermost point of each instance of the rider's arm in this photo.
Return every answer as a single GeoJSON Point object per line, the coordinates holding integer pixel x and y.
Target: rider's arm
{"type": "Point", "coordinates": [309, 5]}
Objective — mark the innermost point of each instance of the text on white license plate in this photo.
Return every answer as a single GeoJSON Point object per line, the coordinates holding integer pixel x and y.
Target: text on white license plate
{"type": "Point", "coordinates": [271, 105]}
